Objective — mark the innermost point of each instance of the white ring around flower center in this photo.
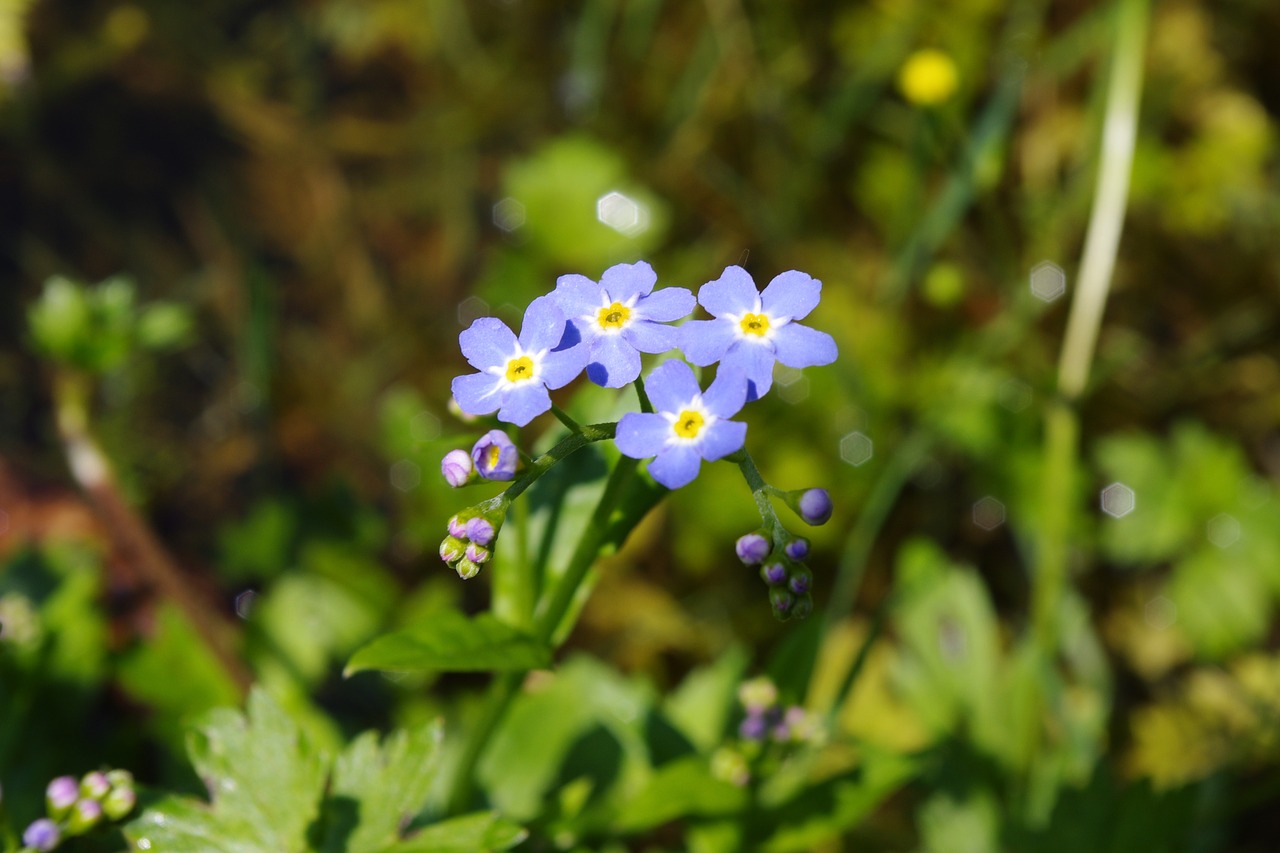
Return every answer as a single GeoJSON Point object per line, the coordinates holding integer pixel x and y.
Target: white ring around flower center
{"type": "Point", "coordinates": [500, 370]}
{"type": "Point", "coordinates": [696, 407]}
{"type": "Point", "coordinates": [594, 320]}
{"type": "Point", "coordinates": [756, 337]}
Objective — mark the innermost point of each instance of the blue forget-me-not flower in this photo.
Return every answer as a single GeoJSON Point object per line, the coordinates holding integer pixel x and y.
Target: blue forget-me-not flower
{"type": "Point", "coordinates": [515, 373]}
{"type": "Point", "coordinates": [621, 317]}
{"type": "Point", "coordinates": [686, 426]}
{"type": "Point", "coordinates": [753, 329]}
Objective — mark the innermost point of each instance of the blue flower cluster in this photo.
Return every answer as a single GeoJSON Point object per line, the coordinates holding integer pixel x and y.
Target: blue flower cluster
{"type": "Point", "coordinates": [602, 328]}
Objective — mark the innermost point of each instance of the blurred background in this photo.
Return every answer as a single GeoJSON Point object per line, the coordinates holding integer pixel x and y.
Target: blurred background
{"type": "Point", "coordinates": [301, 204]}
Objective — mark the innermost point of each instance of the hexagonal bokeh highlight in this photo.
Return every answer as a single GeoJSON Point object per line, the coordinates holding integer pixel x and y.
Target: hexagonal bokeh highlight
{"type": "Point", "coordinates": [425, 426]}
{"type": "Point", "coordinates": [471, 309]}
{"type": "Point", "coordinates": [1223, 530]}
{"type": "Point", "coordinates": [622, 213]}
{"type": "Point", "coordinates": [1118, 500]}
{"type": "Point", "coordinates": [508, 214]}
{"type": "Point", "coordinates": [1014, 394]}
{"type": "Point", "coordinates": [988, 513]}
{"type": "Point", "coordinates": [856, 448]}
{"type": "Point", "coordinates": [406, 475]}
{"type": "Point", "coordinates": [1048, 281]}
{"type": "Point", "coordinates": [1160, 613]}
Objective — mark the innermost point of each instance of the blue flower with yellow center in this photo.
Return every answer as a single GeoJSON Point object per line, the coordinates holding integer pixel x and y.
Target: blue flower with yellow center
{"type": "Point", "coordinates": [621, 317]}
{"type": "Point", "coordinates": [753, 329]}
{"type": "Point", "coordinates": [686, 426]}
{"type": "Point", "coordinates": [515, 373]}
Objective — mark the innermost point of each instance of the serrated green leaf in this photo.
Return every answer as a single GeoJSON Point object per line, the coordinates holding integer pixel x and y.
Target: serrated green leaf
{"type": "Point", "coordinates": [454, 643]}
{"type": "Point", "coordinates": [264, 783]}
{"type": "Point", "coordinates": [473, 833]}
{"type": "Point", "coordinates": [376, 789]}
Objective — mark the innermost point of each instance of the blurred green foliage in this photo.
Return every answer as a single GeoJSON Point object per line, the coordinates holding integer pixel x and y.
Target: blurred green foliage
{"type": "Point", "coordinates": [293, 208]}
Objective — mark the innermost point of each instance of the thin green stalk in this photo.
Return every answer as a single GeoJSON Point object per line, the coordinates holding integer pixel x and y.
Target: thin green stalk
{"type": "Point", "coordinates": [551, 611]}
{"type": "Point", "coordinates": [548, 615]}
{"type": "Point", "coordinates": [1102, 240]}
{"type": "Point", "coordinates": [563, 417]}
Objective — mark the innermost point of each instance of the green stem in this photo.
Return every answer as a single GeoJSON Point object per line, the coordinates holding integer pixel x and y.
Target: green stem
{"type": "Point", "coordinates": [563, 417]}
{"type": "Point", "coordinates": [1062, 428]}
{"type": "Point", "coordinates": [645, 405]}
{"type": "Point", "coordinates": [552, 611]}
{"type": "Point", "coordinates": [566, 447]}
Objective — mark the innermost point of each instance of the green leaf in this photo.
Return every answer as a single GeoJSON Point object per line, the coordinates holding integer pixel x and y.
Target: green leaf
{"type": "Point", "coordinates": [681, 788]}
{"type": "Point", "coordinates": [454, 643]}
{"type": "Point", "coordinates": [473, 833]}
{"type": "Point", "coordinates": [264, 781]}
{"type": "Point", "coordinates": [828, 809]}
{"type": "Point", "coordinates": [376, 789]}
{"type": "Point", "coordinates": [703, 703]}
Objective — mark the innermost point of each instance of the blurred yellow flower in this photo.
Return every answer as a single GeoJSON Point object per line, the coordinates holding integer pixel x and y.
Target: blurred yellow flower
{"type": "Point", "coordinates": [928, 77]}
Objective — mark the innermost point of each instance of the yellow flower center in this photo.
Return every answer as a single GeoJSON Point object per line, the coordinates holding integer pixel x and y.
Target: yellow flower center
{"type": "Point", "coordinates": [689, 424]}
{"type": "Point", "coordinates": [520, 369]}
{"type": "Point", "coordinates": [754, 324]}
{"type": "Point", "coordinates": [615, 316]}
{"type": "Point", "coordinates": [494, 452]}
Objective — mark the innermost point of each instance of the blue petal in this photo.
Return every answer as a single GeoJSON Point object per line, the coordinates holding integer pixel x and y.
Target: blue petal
{"type": "Point", "coordinates": [791, 294]}
{"type": "Point", "coordinates": [727, 393]}
{"type": "Point", "coordinates": [543, 324]}
{"type": "Point", "coordinates": [614, 362]}
{"type": "Point", "coordinates": [577, 295]}
{"type": "Point", "coordinates": [671, 386]}
{"type": "Point", "coordinates": [705, 342]}
{"type": "Point", "coordinates": [755, 360]}
{"type": "Point", "coordinates": [642, 435]}
{"type": "Point", "coordinates": [623, 281]}
{"type": "Point", "coordinates": [652, 337]}
{"type": "Point", "coordinates": [800, 346]}
{"type": "Point", "coordinates": [676, 466]}
{"type": "Point", "coordinates": [477, 393]}
{"type": "Point", "coordinates": [487, 342]}
{"type": "Point", "coordinates": [721, 439]}
{"type": "Point", "coordinates": [732, 293]}
{"type": "Point", "coordinates": [560, 367]}
{"type": "Point", "coordinates": [524, 402]}
{"type": "Point", "coordinates": [666, 305]}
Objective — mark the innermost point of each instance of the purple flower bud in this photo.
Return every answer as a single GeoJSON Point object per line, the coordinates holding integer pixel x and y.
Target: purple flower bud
{"type": "Point", "coordinates": [452, 549]}
{"type": "Point", "coordinates": [481, 531]}
{"type": "Point", "coordinates": [495, 456]}
{"type": "Point", "coordinates": [477, 554]}
{"type": "Point", "coordinates": [119, 802]}
{"type": "Point", "coordinates": [61, 794]}
{"type": "Point", "coordinates": [466, 569]}
{"type": "Point", "coordinates": [802, 608]}
{"type": "Point", "coordinates": [457, 468]}
{"type": "Point", "coordinates": [84, 816]}
{"type": "Point", "coordinates": [42, 835]}
{"type": "Point", "coordinates": [815, 506]}
{"type": "Point", "coordinates": [773, 573]}
{"type": "Point", "coordinates": [753, 726]}
{"type": "Point", "coordinates": [94, 785]}
{"type": "Point", "coordinates": [781, 600]}
{"type": "Point", "coordinates": [797, 549]}
{"type": "Point", "coordinates": [752, 548]}
{"type": "Point", "coordinates": [801, 581]}
{"type": "Point", "coordinates": [457, 528]}
{"type": "Point", "coordinates": [791, 726]}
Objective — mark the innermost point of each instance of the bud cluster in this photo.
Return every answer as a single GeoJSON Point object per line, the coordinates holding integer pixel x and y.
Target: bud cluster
{"type": "Point", "coordinates": [766, 718]}
{"type": "Point", "coordinates": [780, 560]}
{"type": "Point", "coordinates": [470, 541]}
{"type": "Point", "coordinates": [493, 457]}
{"type": "Point", "coordinates": [766, 736]}
{"type": "Point", "coordinates": [74, 807]}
